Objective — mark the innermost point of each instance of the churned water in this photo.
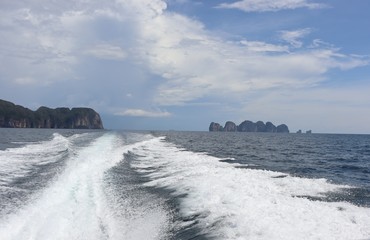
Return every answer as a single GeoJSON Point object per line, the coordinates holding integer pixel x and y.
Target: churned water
{"type": "Point", "coordinates": [64, 184]}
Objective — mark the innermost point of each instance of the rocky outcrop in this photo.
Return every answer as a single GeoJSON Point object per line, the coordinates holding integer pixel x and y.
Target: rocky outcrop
{"type": "Point", "coordinates": [15, 116]}
{"type": "Point", "coordinates": [271, 128]}
{"type": "Point", "coordinates": [261, 127]}
{"type": "Point", "coordinates": [249, 126]}
{"type": "Point", "coordinates": [282, 128]}
{"type": "Point", "coordinates": [215, 127]}
{"type": "Point", "coordinates": [230, 127]}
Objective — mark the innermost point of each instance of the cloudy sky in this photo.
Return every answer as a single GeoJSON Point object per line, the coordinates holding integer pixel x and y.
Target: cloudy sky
{"type": "Point", "coordinates": [180, 64]}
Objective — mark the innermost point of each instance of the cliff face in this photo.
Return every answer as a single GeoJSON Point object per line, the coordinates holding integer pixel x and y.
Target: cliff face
{"type": "Point", "coordinates": [270, 127]}
{"type": "Point", "coordinates": [15, 116]}
{"type": "Point", "coordinates": [282, 128]}
{"type": "Point", "coordinates": [230, 127]}
{"type": "Point", "coordinates": [215, 127]}
{"type": "Point", "coordinates": [249, 126]}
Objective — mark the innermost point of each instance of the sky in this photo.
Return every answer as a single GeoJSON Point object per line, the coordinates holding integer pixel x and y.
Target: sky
{"type": "Point", "coordinates": [182, 64]}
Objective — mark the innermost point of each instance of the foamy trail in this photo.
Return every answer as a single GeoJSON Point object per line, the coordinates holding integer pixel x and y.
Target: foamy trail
{"type": "Point", "coordinates": [239, 203]}
{"type": "Point", "coordinates": [18, 162]}
{"type": "Point", "coordinates": [76, 204]}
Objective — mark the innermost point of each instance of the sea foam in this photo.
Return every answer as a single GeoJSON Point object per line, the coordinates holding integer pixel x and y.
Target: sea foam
{"type": "Point", "coordinates": [79, 204]}
{"type": "Point", "coordinates": [18, 162]}
{"type": "Point", "coordinates": [230, 202]}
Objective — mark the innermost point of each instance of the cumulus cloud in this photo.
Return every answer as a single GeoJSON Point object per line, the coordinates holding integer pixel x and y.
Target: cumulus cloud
{"type": "Point", "coordinates": [270, 5]}
{"type": "Point", "coordinates": [196, 64]}
{"type": "Point", "coordinates": [46, 41]}
{"type": "Point", "coordinates": [180, 61]}
{"type": "Point", "coordinates": [34, 46]}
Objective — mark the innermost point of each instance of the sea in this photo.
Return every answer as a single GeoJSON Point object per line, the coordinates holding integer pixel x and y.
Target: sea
{"type": "Point", "coordinates": [142, 185]}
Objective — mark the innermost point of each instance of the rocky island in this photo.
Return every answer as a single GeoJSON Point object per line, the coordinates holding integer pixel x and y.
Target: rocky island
{"type": "Point", "coordinates": [248, 126]}
{"type": "Point", "coordinates": [16, 116]}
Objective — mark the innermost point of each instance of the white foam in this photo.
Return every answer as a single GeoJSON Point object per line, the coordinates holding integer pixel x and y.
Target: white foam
{"type": "Point", "coordinates": [18, 162]}
{"type": "Point", "coordinates": [239, 203]}
{"type": "Point", "coordinates": [76, 205]}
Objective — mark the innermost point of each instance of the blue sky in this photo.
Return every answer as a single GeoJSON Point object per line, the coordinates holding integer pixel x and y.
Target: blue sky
{"type": "Point", "coordinates": [180, 64]}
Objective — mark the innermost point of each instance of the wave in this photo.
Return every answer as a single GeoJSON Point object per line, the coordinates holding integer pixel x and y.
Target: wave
{"type": "Point", "coordinates": [19, 162]}
{"type": "Point", "coordinates": [82, 204]}
{"type": "Point", "coordinates": [101, 192]}
{"type": "Point", "coordinates": [229, 202]}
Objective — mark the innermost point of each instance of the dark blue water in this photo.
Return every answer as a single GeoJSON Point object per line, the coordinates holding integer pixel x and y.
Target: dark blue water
{"type": "Point", "coordinates": [340, 158]}
{"type": "Point", "coordinates": [68, 184]}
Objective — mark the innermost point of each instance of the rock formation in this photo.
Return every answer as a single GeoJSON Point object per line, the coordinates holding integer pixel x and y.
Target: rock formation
{"type": "Point", "coordinates": [270, 127]}
{"type": "Point", "coordinates": [15, 116]}
{"type": "Point", "coordinates": [249, 126]}
{"type": "Point", "coordinates": [230, 127]}
{"type": "Point", "coordinates": [282, 128]}
{"type": "Point", "coordinates": [261, 127]}
{"type": "Point", "coordinates": [215, 127]}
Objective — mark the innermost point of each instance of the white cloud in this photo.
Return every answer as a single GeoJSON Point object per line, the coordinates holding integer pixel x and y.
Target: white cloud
{"type": "Point", "coordinates": [106, 51]}
{"type": "Point", "coordinates": [145, 9]}
{"type": "Point", "coordinates": [192, 61]}
{"type": "Point", "coordinates": [293, 37]}
{"type": "Point", "coordinates": [142, 113]}
{"type": "Point", "coordinates": [179, 61]}
{"type": "Point", "coordinates": [47, 41]}
{"type": "Point", "coordinates": [255, 46]}
{"type": "Point", "coordinates": [270, 5]}
{"type": "Point", "coordinates": [197, 64]}
{"type": "Point", "coordinates": [35, 46]}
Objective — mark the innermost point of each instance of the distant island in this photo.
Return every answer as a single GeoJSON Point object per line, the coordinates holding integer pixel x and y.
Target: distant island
{"type": "Point", "coordinates": [16, 116]}
{"type": "Point", "coordinates": [248, 126]}
{"type": "Point", "coordinates": [307, 132]}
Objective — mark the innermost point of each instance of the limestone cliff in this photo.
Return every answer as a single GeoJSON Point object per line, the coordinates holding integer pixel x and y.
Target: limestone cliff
{"type": "Point", "coordinates": [249, 126]}
{"type": "Point", "coordinates": [230, 127]}
{"type": "Point", "coordinates": [15, 116]}
{"type": "Point", "coordinates": [215, 127]}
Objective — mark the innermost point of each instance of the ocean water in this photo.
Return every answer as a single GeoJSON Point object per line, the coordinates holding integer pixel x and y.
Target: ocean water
{"type": "Point", "coordinates": [68, 184]}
